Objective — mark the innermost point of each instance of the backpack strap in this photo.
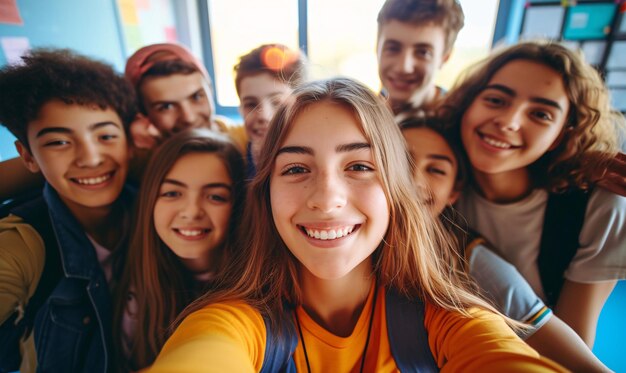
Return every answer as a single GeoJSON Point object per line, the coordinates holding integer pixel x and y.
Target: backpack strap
{"type": "Point", "coordinates": [408, 337]}
{"type": "Point", "coordinates": [564, 218]}
{"type": "Point", "coordinates": [405, 325]}
{"type": "Point", "coordinates": [34, 213]}
{"type": "Point", "coordinates": [279, 348]}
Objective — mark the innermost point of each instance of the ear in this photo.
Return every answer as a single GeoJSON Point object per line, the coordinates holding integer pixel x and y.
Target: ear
{"type": "Point", "coordinates": [456, 193]}
{"type": "Point", "coordinates": [27, 157]}
{"type": "Point", "coordinates": [445, 57]}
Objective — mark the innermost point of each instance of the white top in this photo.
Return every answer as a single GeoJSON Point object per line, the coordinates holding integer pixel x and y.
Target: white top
{"type": "Point", "coordinates": [500, 282]}
{"type": "Point", "coordinates": [514, 230]}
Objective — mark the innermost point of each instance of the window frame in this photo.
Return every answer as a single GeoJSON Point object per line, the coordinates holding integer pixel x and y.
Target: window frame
{"type": "Point", "coordinates": [207, 48]}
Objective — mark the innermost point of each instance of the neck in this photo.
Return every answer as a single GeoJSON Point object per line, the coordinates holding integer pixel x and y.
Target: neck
{"type": "Point", "coordinates": [102, 224]}
{"type": "Point", "coordinates": [337, 304]}
{"type": "Point", "coordinates": [505, 187]}
{"type": "Point", "coordinates": [421, 98]}
{"type": "Point", "coordinates": [255, 151]}
{"type": "Point", "coordinates": [204, 267]}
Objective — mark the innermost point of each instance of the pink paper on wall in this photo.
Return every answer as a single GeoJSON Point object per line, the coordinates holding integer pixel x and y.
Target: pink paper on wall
{"type": "Point", "coordinates": [14, 48]}
{"type": "Point", "coordinates": [9, 13]}
{"type": "Point", "coordinates": [142, 4]}
{"type": "Point", "coordinates": [170, 34]}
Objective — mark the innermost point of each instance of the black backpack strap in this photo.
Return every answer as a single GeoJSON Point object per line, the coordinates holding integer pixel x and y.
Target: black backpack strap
{"type": "Point", "coordinates": [408, 337]}
{"type": "Point", "coordinates": [564, 218]}
{"type": "Point", "coordinates": [279, 348]}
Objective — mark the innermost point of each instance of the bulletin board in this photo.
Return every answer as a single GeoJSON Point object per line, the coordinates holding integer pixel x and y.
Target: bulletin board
{"type": "Point", "coordinates": [589, 21]}
{"type": "Point", "coordinates": [88, 27]}
{"type": "Point", "coordinates": [146, 22]}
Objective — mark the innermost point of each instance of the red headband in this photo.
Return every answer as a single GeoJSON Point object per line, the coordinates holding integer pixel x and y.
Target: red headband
{"type": "Point", "coordinates": [143, 59]}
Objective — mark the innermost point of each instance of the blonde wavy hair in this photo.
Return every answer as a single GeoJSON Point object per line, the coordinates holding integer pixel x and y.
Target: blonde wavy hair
{"type": "Point", "coordinates": [409, 259]}
{"type": "Point", "coordinates": [590, 138]}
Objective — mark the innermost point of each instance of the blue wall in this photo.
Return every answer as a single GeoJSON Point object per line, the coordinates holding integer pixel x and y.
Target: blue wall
{"type": "Point", "coordinates": [611, 333]}
{"type": "Point", "coordinates": [89, 27]}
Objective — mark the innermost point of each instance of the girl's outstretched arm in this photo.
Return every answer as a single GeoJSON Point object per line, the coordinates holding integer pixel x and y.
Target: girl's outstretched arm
{"type": "Point", "coordinates": [512, 295]}
{"type": "Point", "coordinates": [218, 338]}
{"type": "Point", "coordinates": [558, 341]}
{"type": "Point", "coordinates": [483, 343]}
{"type": "Point", "coordinates": [580, 304]}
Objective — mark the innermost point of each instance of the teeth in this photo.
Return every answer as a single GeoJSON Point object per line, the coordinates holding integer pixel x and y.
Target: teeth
{"type": "Point", "coordinates": [330, 234]}
{"type": "Point", "coordinates": [94, 180]}
{"type": "Point", "coordinates": [190, 233]}
{"type": "Point", "coordinates": [496, 143]}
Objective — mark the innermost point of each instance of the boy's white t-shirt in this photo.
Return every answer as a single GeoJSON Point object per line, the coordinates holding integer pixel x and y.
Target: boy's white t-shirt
{"type": "Point", "coordinates": [514, 230]}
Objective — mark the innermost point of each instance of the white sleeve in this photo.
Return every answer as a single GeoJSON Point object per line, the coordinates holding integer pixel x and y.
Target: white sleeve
{"type": "Point", "coordinates": [602, 252]}
{"type": "Point", "coordinates": [509, 291]}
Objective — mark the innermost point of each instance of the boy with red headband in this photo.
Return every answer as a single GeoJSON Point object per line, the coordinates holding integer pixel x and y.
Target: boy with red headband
{"type": "Point", "coordinates": [174, 93]}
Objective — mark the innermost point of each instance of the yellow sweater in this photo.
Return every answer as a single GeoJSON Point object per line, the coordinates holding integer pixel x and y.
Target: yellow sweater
{"type": "Point", "coordinates": [230, 337]}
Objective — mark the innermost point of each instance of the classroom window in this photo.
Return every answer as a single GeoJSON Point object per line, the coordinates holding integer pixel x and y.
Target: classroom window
{"type": "Point", "coordinates": [237, 27]}
{"type": "Point", "coordinates": [340, 38]}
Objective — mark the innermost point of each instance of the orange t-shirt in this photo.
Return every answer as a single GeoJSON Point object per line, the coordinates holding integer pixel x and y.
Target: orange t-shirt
{"type": "Point", "coordinates": [231, 337]}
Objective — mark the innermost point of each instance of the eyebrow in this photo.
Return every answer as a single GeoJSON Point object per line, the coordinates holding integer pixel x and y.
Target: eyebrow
{"type": "Point", "coordinates": [205, 186]}
{"type": "Point", "coordinates": [343, 148]}
{"type": "Point", "coordinates": [418, 45]}
{"type": "Point", "coordinates": [161, 102]}
{"type": "Point", "coordinates": [253, 97]}
{"type": "Point", "coordinates": [67, 130]}
{"type": "Point", "coordinates": [440, 157]}
{"type": "Point", "coordinates": [540, 100]}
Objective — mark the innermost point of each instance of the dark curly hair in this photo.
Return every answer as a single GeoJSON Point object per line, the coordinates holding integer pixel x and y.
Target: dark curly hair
{"type": "Point", "coordinates": [445, 13]}
{"type": "Point", "coordinates": [60, 74]}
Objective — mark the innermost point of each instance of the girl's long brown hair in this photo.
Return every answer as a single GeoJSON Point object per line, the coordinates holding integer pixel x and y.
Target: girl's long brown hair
{"type": "Point", "coordinates": [162, 285]}
{"type": "Point", "coordinates": [590, 135]}
{"type": "Point", "coordinates": [408, 259]}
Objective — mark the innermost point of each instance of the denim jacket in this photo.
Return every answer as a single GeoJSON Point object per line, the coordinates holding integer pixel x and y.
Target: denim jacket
{"type": "Point", "coordinates": [72, 330]}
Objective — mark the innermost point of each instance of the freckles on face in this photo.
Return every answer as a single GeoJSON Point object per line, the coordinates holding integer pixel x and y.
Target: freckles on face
{"type": "Point", "coordinates": [327, 200]}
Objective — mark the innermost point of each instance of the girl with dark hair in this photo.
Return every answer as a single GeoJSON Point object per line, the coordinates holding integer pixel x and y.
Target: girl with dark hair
{"type": "Point", "coordinates": [189, 209]}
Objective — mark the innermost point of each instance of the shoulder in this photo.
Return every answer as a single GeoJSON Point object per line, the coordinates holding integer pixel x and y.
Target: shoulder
{"type": "Point", "coordinates": [605, 212]}
{"type": "Point", "coordinates": [18, 237]}
{"type": "Point", "coordinates": [236, 132]}
{"type": "Point", "coordinates": [604, 202]}
{"type": "Point", "coordinates": [22, 255]}
{"type": "Point", "coordinates": [236, 313]}
{"type": "Point", "coordinates": [229, 336]}
{"type": "Point", "coordinates": [600, 256]}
